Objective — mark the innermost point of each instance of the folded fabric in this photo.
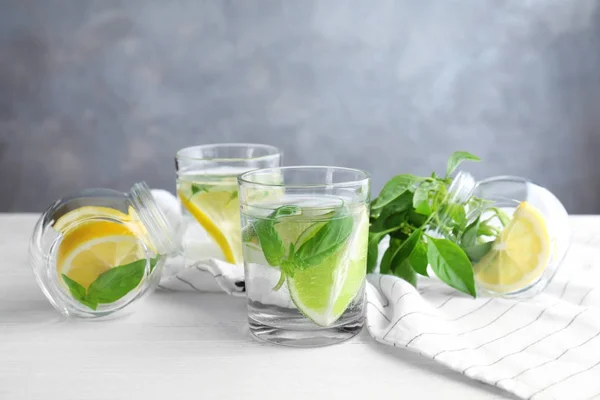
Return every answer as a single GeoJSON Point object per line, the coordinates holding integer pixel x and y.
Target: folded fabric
{"type": "Point", "coordinates": [547, 347]}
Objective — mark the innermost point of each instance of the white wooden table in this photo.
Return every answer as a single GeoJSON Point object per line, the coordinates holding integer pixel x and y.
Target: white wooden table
{"type": "Point", "coordinates": [188, 346]}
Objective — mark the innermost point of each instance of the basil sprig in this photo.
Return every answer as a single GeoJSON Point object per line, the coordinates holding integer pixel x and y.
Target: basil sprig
{"type": "Point", "coordinates": [409, 208]}
{"type": "Point", "coordinates": [110, 285]}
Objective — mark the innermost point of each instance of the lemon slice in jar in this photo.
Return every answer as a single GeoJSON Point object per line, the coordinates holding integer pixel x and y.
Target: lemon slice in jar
{"type": "Point", "coordinates": [519, 255]}
{"type": "Point", "coordinates": [94, 247]}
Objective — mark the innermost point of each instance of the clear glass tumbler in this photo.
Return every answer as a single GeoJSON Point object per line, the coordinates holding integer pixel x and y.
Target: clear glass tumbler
{"type": "Point", "coordinates": [305, 238]}
{"type": "Point", "coordinates": [208, 193]}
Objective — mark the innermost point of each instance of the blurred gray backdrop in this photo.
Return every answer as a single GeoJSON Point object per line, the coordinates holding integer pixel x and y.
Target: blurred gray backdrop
{"type": "Point", "coordinates": [101, 93]}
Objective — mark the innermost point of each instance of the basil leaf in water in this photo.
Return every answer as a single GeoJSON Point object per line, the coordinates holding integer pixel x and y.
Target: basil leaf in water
{"type": "Point", "coordinates": [110, 285]}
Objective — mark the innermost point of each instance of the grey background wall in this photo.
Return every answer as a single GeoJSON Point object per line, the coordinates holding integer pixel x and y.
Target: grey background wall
{"type": "Point", "coordinates": [102, 93]}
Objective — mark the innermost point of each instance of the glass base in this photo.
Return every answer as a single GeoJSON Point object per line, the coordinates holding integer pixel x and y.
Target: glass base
{"type": "Point", "coordinates": [305, 337]}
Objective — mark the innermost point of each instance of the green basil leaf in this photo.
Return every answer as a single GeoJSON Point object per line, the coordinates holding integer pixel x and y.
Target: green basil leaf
{"type": "Point", "coordinates": [373, 248]}
{"type": "Point", "coordinates": [248, 234]}
{"type": "Point", "coordinates": [504, 219]}
{"type": "Point", "coordinates": [458, 215]}
{"type": "Point", "coordinates": [486, 230]}
{"type": "Point", "coordinates": [153, 262]}
{"type": "Point", "coordinates": [386, 261]}
{"type": "Point", "coordinates": [421, 198]}
{"type": "Point", "coordinates": [393, 189]}
{"type": "Point", "coordinates": [234, 195]}
{"type": "Point", "coordinates": [393, 222]}
{"type": "Point", "coordinates": [456, 159]}
{"type": "Point", "coordinates": [325, 242]}
{"type": "Point", "coordinates": [289, 265]}
{"type": "Point", "coordinates": [404, 251]}
{"type": "Point", "coordinates": [79, 293]}
{"type": "Point", "coordinates": [115, 283]}
{"type": "Point", "coordinates": [478, 251]}
{"type": "Point", "coordinates": [372, 254]}
{"type": "Point", "coordinates": [416, 220]}
{"type": "Point", "coordinates": [441, 194]}
{"type": "Point", "coordinates": [270, 242]}
{"type": "Point", "coordinates": [91, 303]}
{"type": "Point", "coordinates": [451, 265]}
{"type": "Point", "coordinates": [393, 214]}
{"type": "Point", "coordinates": [418, 259]}
{"type": "Point", "coordinates": [399, 235]}
{"type": "Point", "coordinates": [469, 236]}
{"type": "Point", "coordinates": [197, 187]}
{"type": "Point", "coordinates": [406, 272]}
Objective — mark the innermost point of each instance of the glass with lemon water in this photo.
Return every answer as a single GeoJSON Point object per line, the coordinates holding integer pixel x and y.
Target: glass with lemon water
{"type": "Point", "coordinates": [208, 193]}
{"type": "Point", "coordinates": [211, 209]}
{"type": "Point", "coordinates": [305, 253]}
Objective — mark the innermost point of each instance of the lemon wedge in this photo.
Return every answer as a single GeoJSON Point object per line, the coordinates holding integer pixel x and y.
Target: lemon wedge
{"type": "Point", "coordinates": [217, 210]}
{"type": "Point", "coordinates": [519, 255]}
{"type": "Point", "coordinates": [96, 246]}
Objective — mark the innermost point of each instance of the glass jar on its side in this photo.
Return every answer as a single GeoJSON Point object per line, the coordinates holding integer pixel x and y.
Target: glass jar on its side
{"type": "Point", "coordinates": [515, 232]}
{"type": "Point", "coordinates": [98, 251]}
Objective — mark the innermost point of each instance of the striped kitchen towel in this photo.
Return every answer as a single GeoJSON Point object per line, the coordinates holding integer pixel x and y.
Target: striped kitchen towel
{"type": "Point", "coordinates": [547, 347]}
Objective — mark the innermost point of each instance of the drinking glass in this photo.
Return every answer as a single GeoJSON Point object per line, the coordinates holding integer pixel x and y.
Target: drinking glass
{"type": "Point", "coordinates": [208, 194]}
{"type": "Point", "coordinates": [304, 238]}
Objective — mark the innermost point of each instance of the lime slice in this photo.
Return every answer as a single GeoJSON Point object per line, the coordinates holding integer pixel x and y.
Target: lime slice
{"type": "Point", "coordinates": [217, 210]}
{"type": "Point", "coordinates": [324, 292]}
{"type": "Point", "coordinates": [519, 255]}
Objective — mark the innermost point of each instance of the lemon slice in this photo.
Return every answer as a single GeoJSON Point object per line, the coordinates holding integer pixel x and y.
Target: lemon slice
{"type": "Point", "coordinates": [324, 292]}
{"type": "Point", "coordinates": [217, 210]}
{"type": "Point", "coordinates": [519, 255]}
{"type": "Point", "coordinates": [96, 246]}
{"type": "Point", "coordinates": [87, 212]}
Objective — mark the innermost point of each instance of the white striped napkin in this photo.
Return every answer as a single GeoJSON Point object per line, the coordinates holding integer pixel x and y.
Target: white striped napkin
{"type": "Point", "coordinates": [544, 348]}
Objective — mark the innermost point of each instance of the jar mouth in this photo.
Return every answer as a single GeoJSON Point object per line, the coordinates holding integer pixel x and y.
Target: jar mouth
{"type": "Point", "coordinates": [504, 178]}
{"type": "Point", "coordinates": [161, 230]}
{"type": "Point", "coordinates": [229, 152]}
{"type": "Point", "coordinates": [334, 177]}
{"type": "Point", "coordinates": [461, 188]}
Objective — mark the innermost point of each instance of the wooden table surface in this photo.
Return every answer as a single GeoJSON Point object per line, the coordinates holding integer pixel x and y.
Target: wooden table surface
{"type": "Point", "coordinates": [187, 346]}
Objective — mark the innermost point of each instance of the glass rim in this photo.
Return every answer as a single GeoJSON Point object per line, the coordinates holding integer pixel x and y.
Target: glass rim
{"type": "Point", "coordinates": [366, 177]}
{"type": "Point", "coordinates": [273, 152]}
{"type": "Point", "coordinates": [509, 178]}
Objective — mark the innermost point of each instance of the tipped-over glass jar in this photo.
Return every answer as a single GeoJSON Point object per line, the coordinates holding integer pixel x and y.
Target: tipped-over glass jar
{"type": "Point", "coordinates": [98, 251]}
{"type": "Point", "coordinates": [515, 233]}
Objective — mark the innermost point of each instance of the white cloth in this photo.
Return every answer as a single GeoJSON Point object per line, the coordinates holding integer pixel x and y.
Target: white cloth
{"type": "Point", "coordinates": [544, 348]}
